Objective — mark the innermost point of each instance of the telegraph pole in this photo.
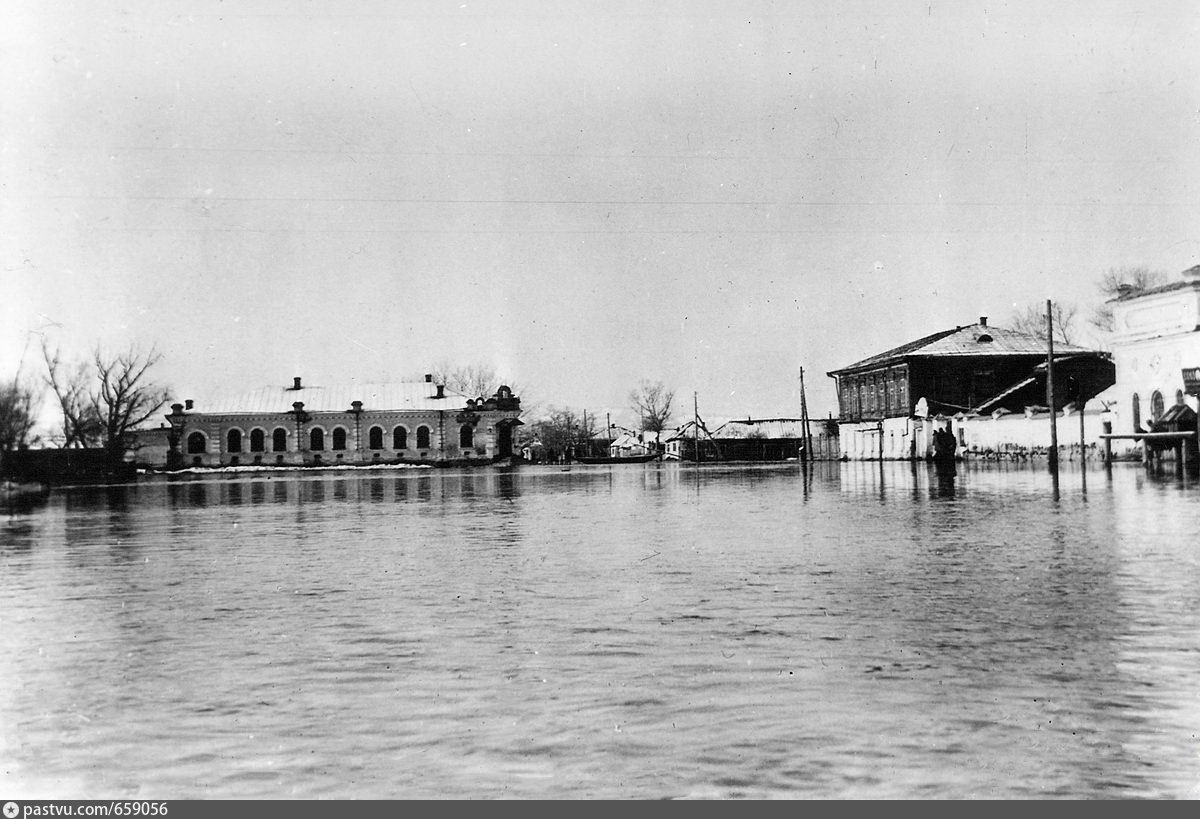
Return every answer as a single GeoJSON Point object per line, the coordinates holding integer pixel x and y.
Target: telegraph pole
{"type": "Point", "coordinates": [1050, 387]}
{"type": "Point", "coordinates": [804, 428]}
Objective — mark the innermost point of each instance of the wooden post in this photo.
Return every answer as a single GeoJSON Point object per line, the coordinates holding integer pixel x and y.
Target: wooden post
{"type": "Point", "coordinates": [696, 427]}
{"type": "Point", "coordinates": [1050, 386]}
{"type": "Point", "coordinates": [1082, 432]}
{"type": "Point", "coordinates": [807, 454]}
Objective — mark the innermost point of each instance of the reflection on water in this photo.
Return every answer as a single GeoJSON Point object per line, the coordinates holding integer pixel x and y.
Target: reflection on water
{"type": "Point", "coordinates": [858, 629]}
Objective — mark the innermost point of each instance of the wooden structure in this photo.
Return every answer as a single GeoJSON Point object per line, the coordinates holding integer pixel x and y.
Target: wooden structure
{"type": "Point", "coordinates": [887, 401]}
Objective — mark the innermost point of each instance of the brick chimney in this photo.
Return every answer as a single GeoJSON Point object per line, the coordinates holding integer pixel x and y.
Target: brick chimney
{"type": "Point", "coordinates": [296, 383]}
{"type": "Point", "coordinates": [428, 378]}
{"type": "Point", "coordinates": [441, 390]}
{"type": "Point", "coordinates": [983, 321]}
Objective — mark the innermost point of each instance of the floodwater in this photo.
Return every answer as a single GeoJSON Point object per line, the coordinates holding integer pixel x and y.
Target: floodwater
{"type": "Point", "coordinates": [857, 630]}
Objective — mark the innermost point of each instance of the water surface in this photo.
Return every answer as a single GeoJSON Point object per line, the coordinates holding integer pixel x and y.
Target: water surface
{"type": "Point", "coordinates": [857, 630]}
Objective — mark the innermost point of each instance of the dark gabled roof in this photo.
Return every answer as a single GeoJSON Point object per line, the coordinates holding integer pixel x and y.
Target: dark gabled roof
{"type": "Point", "coordinates": [972, 340]}
{"type": "Point", "coordinates": [1176, 414]}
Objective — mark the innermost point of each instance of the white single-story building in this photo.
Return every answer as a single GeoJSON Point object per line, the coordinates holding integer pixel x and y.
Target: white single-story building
{"type": "Point", "coordinates": [357, 424]}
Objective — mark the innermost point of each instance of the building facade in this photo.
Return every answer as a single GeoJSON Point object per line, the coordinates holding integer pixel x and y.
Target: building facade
{"type": "Point", "coordinates": [408, 422]}
{"type": "Point", "coordinates": [890, 404]}
{"type": "Point", "coordinates": [1156, 346]}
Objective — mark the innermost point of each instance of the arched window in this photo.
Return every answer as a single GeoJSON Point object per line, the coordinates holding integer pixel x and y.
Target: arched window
{"type": "Point", "coordinates": [466, 436]}
{"type": "Point", "coordinates": [339, 438]}
{"type": "Point", "coordinates": [422, 437]}
{"type": "Point", "coordinates": [279, 440]}
{"type": "Point", "coordinates": [234, 440]}
{"type": "Point", "coordinates": [1137, 412]}
{"type": "Point", "coordinates": [316, 439]}
{"type": "Point", "coordinates": [399, 438]}
{"type": "Point", "coordinates": [1156, 405]}
{"type": "Point", "coordinates": [375, 438]}
{"type": "Point", "coordinates": [196, 442]}
{"type": "Point", "coordinates": [257, 440]}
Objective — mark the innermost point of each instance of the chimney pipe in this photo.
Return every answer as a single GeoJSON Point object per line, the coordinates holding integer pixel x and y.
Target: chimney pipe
{"type": "Point", "coordinates": [983, 321]}
{"type": "Point", "coordinates": [187, 403]}
{"type": "Point", "coordinates": [296, 383]}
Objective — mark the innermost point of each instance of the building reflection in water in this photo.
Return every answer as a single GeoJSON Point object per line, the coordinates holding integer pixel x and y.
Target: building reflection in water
{"type": "Point", "coordinates": [375, 489]}
{"type": "Point", "coordinates": [424, 486]}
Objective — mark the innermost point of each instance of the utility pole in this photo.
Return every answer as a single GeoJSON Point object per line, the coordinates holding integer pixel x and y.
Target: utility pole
{"type": "Point", "coordinates": [696, 427]}
{"type": "Point", "coordinates": [1050, 386]}
{"type": "Point", "coordinates": [804, 428]}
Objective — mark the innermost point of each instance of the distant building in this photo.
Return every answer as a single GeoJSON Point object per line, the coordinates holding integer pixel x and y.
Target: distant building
{"type": "Point", "coordinates": [891, 403]}
{"type": "Point", "coordinates": [1156, 347]}
{"type": "Point", "coordinates": [691, 441]}
{"type": "Point", "coordinates": [773, 439]}
{"type": "Point", "coordinates": [629, 443]}
{"type": "Point", "coordinates": [369, 423]}
{"type": "Point", "coordinates": [750, 439]}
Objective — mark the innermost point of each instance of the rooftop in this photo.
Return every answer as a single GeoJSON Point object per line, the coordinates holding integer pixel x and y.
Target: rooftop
{"type": "Point", "coordinates": [979, 339]}
{"type": "Point", "coordinates": [1190, 281]}
{"type": "Point", "coordinates": [405, 395]}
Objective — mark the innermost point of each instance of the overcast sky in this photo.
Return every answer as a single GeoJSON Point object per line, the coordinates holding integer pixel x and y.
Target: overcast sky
{"type": "Point", "coordinates": [579, 194]}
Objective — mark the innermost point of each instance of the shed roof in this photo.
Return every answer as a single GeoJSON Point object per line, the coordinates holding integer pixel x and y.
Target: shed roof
{"type": "Point", "coordinates": [972, 340]}
{"type": "Point", "coordinates": [404, 395]}
{"type": "Point", "coordinates": [761, 428]}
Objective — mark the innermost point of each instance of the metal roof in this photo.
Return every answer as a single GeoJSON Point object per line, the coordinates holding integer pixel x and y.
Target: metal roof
{"type": "Point", "coordinates": [972, 340]}
{"type": "Point", "coordinates": [406, 395]}
{"type": "Point", "coordinates": [765, 428]}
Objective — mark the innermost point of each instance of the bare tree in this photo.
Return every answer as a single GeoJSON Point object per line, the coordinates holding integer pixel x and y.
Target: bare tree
{"type": "Point", "coordinates": [474, 380]}
{"type": "Point", "coordinates": [652, 403]}
{"type": "Point", "coordinates": [1122, 281]}
{"type": "Point", "coordinates": [124, 397]}
{"type": "Point", "coordinates": [562, 429]}
{"type": "Point", "coordinates": [17, 414]}
{"type": "Point", "coordinates": [1032, 320]}
{"type": "Point", "coordinates": [81, 426]}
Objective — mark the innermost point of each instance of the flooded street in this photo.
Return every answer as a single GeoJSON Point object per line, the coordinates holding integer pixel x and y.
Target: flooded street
{"type": "Point", "coordinates": [864, 630]}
